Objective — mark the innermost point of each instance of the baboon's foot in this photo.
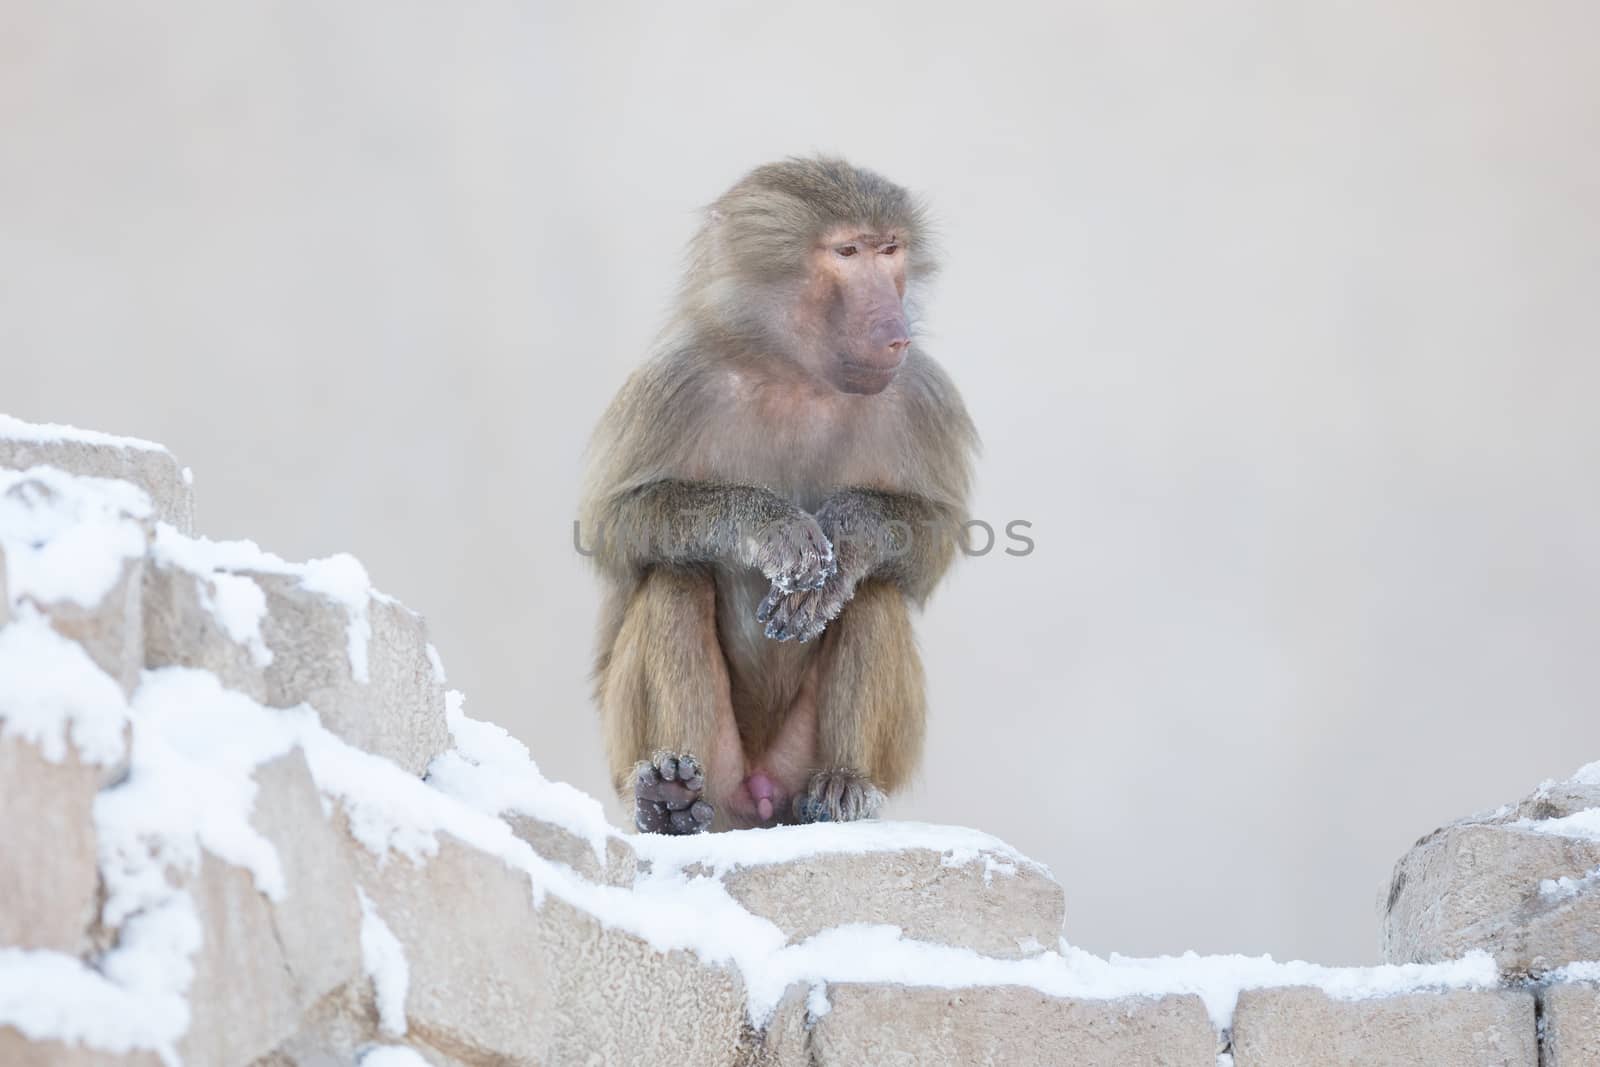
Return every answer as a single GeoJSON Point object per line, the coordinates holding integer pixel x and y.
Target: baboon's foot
{"type": "Point", "coordinates": [666, 795]}
{"type": "Point", "coordinates": [838, 796]}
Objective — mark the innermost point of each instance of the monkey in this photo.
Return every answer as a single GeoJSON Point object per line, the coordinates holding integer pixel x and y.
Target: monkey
{"type": "Point", "coordinates": [769, 496]}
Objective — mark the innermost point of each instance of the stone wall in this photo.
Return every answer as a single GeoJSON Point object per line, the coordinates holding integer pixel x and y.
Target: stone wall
{"type": "Point", "coordinates": [244, 822]}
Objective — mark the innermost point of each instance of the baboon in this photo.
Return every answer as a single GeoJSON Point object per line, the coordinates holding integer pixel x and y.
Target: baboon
{"type": "Point", "coordinates": [789, 465]}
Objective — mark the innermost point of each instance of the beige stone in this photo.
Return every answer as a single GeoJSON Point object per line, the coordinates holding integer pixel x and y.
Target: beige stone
{"type": "Point", "coordinates": [495, 978]}
{"type": "Point", "coordinates": [1477, 884]}
{"type": "Point", "coordinates": [180, 630]}
{"type": "Point", "coordinates": [1571, 1025]}
{"type": "Point", "coordinates": [480, 985]}
{"type": "Point", "coordinates": [998, 912]}
{"type": "Point", "coordinates": [153, 470]}
{"type": "Point", "coordinates": [898, 1026]}
{"type": "Point", "coordinates": [561, 845]}
{"type": "Point", "coordinates": [397, 713]}
{"type": "Point", "coordinates": [17, 1051]}
{"type": "Point", "coordinates": [1297, 1026]}
{"type": "Point", "coordinates": [49, 873]}
{"type": "Point", "coordinates": [265, 963]}
{"type": "Point", "coordinates": [112, 631]}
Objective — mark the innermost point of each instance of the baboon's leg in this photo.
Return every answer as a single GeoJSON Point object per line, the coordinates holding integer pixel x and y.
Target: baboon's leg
{"type": "Point", "coordinates": [664, 704]}
{"type": "Point", "coordinates": [870, 707]}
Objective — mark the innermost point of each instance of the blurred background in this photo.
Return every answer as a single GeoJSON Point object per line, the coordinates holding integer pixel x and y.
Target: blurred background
{"type": "Point", "coordinates": [1280, 322]}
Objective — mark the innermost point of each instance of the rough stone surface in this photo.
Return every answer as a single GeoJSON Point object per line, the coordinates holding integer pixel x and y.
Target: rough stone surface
{"type": "Point", "coordinates": [1571, 1025]}
{"type": "Point", "coordinates": [49, 873]}
{"type": "Point", "coordinates": [1481, 884]}
{"type": "Point", "coordinates": [1012, 911]}
{"type": "Point", "coordinates": [1297, 1026]}
{"type": "Point", "coordinates": [893, 1025]}
{"type": "Point", "coordinates": [495, 978]}
{"type": "Point", "coordinates": [265, 962]}
{"type": "Point", "coordinates": [153, 470]}
{"type": "Point", "coordinates": [480, 987]}
{"type": "Point", "coordinates": [180, 630]}
{"type": "Point", "coordinates": [18, 1051]}
{"type": "Point", "coordinates": [112, 631]}
{"type": "Point", "coordinates": [397, 713]}
{"type": "Point", "coordinates": [561, 845]}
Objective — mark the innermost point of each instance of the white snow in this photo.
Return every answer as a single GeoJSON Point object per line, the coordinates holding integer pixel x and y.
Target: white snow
{"type": "Point", "coordinates": [51, 693]}
{"type": "Point", "coordinates": [1588, 774]}
{"type": "Point", "coordinates": [15, 429]}
{"type": "Point", "coordinates": [68, 538]}
{"type": "Point", "coordinates": [240, 607]}
{"type": "Point", "coordinates": [51, 995]}
{"type": "Point", "coordinates": [1584, 824]}
{"type": "Point", "coordinates": [1582, 971]}
{"type": "Point", "coordinates": [343, 578]}
{"type": "Point", "coordinates": [491, 772]}
{"type": "Point", "coordinates": [384, 960]}
{"type": "Point", "coordinates": [437, 664]}
{"type": "Point", "coordinates": [340, 577]}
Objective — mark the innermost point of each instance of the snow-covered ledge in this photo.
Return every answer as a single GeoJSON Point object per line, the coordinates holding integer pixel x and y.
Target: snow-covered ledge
{"type": "Point", "coordinates": [244, 822]}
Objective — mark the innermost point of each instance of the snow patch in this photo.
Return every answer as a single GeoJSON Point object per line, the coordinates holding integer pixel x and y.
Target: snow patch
{"type": "Point", "coordinates": [343, 578]}
{"type": "Point", "coordinates": [14, 429]}
{"type": "Point", "coordinates": [68, 538]}
{"type": "Point", "coordinates": [384, 961]}
{"type": "Point", "coordinates": [1581, 971]}
{"type": "Point", "coordinates": [51, 693]}
{"type": "Point", "coordinates": [1588, 774]}
{"type": "Point", "coordinates": [437, 664]}
{"type": "Point", "coordinates": [1581, 824]}
{"type": "Point", "coordinates": [491, 772]}
{"type": "Point", "coordinates": [240, 607]}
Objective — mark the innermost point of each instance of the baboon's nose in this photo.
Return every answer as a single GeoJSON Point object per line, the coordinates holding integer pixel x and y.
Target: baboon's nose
{"type": "Point", "coordinates": [890, 338]}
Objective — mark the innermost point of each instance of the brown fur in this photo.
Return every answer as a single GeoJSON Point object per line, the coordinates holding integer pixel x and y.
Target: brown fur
{"type": "Point", "coordinates": [723, 437]}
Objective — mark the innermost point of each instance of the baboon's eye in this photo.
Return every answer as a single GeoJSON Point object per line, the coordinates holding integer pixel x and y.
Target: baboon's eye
{"type": "Point", "coordinates": [889, 249]}
{"type": "Point", "coordinates": [847, 250]}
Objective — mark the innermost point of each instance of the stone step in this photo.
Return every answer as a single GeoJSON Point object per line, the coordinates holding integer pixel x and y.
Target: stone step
{"type": "Point", "coordinates": [145, 464]}
{"type": "Point", "coordinates": [1463, 1028]}
{"type": "Point", "coordinates": [1570, 1021]}
{"type": "Point", "coordinates": [1510, 882]}
{"type": "Point", "coordinates": [985, 897]}
{"type": "Point", "coordinates": [887, 1025]}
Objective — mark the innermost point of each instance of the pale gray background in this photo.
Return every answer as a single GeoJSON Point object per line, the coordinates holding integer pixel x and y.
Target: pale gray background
{"type": "Point", "coordinates": [1279, 320]}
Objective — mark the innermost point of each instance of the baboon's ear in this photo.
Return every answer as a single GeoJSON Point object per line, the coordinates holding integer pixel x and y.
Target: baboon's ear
{"type": "Point", "coordinates": [715, 214]}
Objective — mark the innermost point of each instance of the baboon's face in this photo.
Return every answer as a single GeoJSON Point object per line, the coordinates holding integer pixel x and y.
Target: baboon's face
{"type": "Point", "coordinates": [851, 314]}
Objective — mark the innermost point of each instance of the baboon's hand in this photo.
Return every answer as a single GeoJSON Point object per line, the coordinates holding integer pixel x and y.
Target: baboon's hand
{"type": "Point", "coordinates": [793, 553]}
{"type": "Point", "coordinates": [804, 613]}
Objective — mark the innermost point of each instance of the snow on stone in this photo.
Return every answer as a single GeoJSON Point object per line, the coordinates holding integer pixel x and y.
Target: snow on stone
{"type": "Point", "coordinates": [384, 961]}
{"type": "Point", "coordinates": [786, 844]}
{"type": "Point", "coordinates": [1582, 971]}
{"type": "Point", "coordinates": [343, 578]}
{"type": "Point", "coordinates": [392, 1056]}
{"type": "Point", "coordinates": [54, 996]}
{"type": "Point", "coordinates": [192, 739]}
{"type": "Point", "coordinates": [340, 577]}
{"type": "Point", "coordinates": [1589, 774]}
{"type": "Point", "coordinates": [1584, 824]}
{"type": "Point", "coordinates": [491, 772]}
{"type": "Point", "coordinates": [68, 538]}
{"type": "Point", "coordinates": [437, 664]}
{"type": "Point", "coordinates": [15, 429]}
{"type": "Point", "coordinates": [239, 605]}
{"type": "Point", "coordinates": [51, 693]}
